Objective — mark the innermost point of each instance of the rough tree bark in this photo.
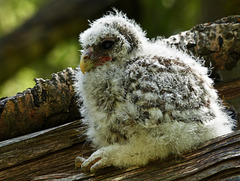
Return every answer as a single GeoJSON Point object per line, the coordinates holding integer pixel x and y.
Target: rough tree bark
{"type": "Point", "coordinates": [47, 104]}
{"type": "Point", "coordinates": [217, 42]}
{"type": "Point", "coordinates": [52, 102]}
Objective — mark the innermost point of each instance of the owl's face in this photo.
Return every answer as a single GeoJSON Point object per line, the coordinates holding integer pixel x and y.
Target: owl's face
{"type": "Point", "coordinates": [111, 38]}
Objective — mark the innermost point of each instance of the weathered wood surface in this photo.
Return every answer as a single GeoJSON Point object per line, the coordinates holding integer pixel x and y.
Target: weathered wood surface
{"type": "Point", "coordinates": [229, 90]}
{"type": "Point", "coordinates": [52, 102]}
{"type": "Point", "coordinates": [217, 159]}
{"type": "Point", "coordinates": [18, 150]}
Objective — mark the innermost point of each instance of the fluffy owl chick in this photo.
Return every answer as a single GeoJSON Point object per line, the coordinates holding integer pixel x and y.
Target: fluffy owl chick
{"type": "Point", "coordinates": [143, 100]}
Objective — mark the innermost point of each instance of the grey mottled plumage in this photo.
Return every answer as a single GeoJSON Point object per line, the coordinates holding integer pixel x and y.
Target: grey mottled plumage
{"type": "Point", "coordinates": [143, 100]}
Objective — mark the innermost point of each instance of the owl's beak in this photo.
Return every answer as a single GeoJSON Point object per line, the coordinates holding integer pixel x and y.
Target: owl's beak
{"type": "Point", "coordinates": [86, 64]}
{"type": "Point", "coordinates": [89, 60]}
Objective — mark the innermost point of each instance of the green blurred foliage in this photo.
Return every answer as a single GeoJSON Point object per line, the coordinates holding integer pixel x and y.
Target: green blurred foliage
{"type": "Point", "coordinates": [15, 12]}
{"type": "Point", "coordinates": [62, 56]}
{"type": "Point", "coordinates": [158, 18]}
{"type": "Point", "coordinates": [168, 17]}
{"type": "Point", "coordinates": [12, 14]}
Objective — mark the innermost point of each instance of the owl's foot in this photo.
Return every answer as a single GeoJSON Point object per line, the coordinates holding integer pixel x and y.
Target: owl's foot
{"type": "Point", "coordinates": [95, 162]}
{"type": "Point", "coordinates": [79, 161]}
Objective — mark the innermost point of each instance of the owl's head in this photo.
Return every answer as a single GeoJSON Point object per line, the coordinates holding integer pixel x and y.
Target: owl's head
{"type": "Point", "coordinates": [113, 37]}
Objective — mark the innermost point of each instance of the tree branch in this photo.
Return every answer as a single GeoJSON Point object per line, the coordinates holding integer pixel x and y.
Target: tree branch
{"type": "Point", "coordinates": [47, 104]}
{"type": "Point", "coordinates": [52, 102]}
{"type": "Point", "coordinates": [216, 42]}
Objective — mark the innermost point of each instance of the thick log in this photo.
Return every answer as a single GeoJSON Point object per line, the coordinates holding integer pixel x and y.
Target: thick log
{"type": "Point", "coordinates": [21, 149]}
{"type": "Point", "coordinates": [229, 90]}
{"type": "Point", "coordinates": [218, 159]}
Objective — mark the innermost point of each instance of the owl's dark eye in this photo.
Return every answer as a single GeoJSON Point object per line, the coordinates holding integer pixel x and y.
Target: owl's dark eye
{"type": "Point", "coordinates": [107, 44]}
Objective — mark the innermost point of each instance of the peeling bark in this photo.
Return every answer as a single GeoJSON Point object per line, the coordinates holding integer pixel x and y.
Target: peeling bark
{"type": "Point", "coordinates": [47, 104]}
{"type": "Point", "coordinates": [217, 42]}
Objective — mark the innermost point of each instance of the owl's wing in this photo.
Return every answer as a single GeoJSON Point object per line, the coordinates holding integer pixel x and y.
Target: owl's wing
{"type": "Point", "coordinates": [165, 90]}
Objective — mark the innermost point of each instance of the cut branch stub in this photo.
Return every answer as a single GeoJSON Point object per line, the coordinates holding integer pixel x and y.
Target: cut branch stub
{"type": "Point", "coordinates": [47, 104]}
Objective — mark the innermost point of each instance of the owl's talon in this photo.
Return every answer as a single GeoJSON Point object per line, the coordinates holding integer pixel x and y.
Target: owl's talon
{"type": "Point", "coordinates": [98, 165]}
{"type": "Point", "coordinates": [88, 164]}
{"type": "Point", "coordinates": [79, 161]}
